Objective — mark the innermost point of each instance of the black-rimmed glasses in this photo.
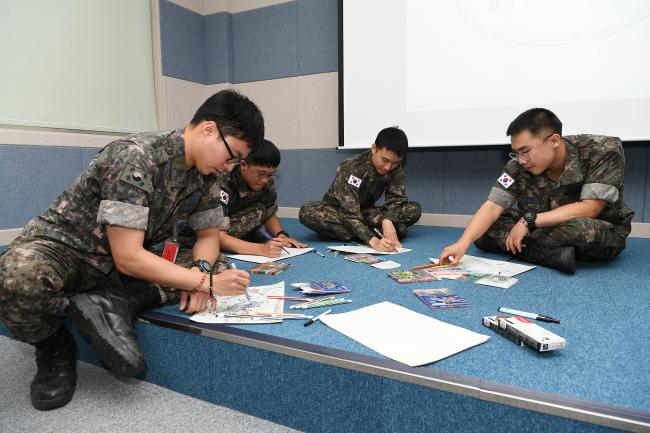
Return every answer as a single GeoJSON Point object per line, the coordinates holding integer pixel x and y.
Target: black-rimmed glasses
{"type": "Point", "coordinates": [525, 155]}
{"type": "Point", "coordinates": [233, 159]}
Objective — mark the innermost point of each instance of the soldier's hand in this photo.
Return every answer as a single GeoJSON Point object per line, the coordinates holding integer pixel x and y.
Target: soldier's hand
{"type": "Point", "coordinates": [290, 242]}
{"type": "Point", "coordinates": [514, 242]}
{"type": "Point", "coordinates": [272, 248]}
{"type": "Point", "coordinates": [231, 282]}
{"type": "Point", "coordinates": [389, 232]}
{"type": "Point", "coordinates": [193, 303]}
{"type": "Point", "coordinates": [381, 244]}
{"type": "Point", "coordinates": [452, 254]}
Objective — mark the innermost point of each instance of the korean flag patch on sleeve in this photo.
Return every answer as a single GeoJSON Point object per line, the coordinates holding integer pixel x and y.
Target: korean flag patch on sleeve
{"type": "Point", "coordinates": [354, 181]}
{"type": "Point", "coordinates": [224, 197]}
{"type": "Point", "coordinates": [505, 180]}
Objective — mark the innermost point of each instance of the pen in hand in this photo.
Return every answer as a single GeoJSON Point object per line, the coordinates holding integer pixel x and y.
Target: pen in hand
{"type": "Point", "coordinates": [381, 236]}
{"type": "Point", "coordinates": [264, 232]}
{"type": "Point", "coordinates": [231, 265]}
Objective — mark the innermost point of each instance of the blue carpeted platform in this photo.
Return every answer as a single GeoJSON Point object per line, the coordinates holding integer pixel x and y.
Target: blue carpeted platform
{"type": "Point", "coordinates": [603, 310]}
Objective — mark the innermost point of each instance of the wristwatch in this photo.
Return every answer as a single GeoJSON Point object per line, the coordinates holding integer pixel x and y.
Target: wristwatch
{"type": "Point", "coordinates": [203, 265]}
{"type": "Point", "coordinates": [529, 219]}
{"type": "Point", "coordinates": [282, 232]}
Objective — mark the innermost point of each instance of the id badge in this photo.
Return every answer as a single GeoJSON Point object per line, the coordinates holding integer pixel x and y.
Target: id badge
{"type": "Point", "coordinates": [170, 252]}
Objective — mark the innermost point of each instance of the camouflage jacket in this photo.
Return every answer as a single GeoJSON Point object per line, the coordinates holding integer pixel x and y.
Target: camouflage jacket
{"type": "Point", "coordinates": [594, 169]}
{"type": "Point", "coordinates": [357, 186]}
{"type": "Point", "coordinates": [139, 182]}
{"type": "Point", "coordinates": [237, 196]}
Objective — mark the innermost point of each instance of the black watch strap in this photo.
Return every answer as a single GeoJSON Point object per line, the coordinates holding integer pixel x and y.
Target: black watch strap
{"type": "Point", "coordinates": [282, 232]}
{"type": "Point", "coordinates": [529, 218]}
{"type": "Point", "coordinates": [203, 265]}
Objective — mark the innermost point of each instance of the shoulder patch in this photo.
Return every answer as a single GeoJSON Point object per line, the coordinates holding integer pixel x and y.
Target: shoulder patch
{"type": "Point", "coordinates": [354, 181]}
{"type": "Point", "coordinates": [137, 177]}
{"type": "Point", "coordinates": [225, 198]}
{"type": "Point", "coordinates": [505, 180]}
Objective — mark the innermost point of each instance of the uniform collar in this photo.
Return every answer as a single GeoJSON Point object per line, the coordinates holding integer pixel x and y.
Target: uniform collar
{"type": "Point", "coordinates": [572, 172]}
{"type": "Point", "coordinates": [370, 171]}
{"type": "Point", "coordinates": [238, 181]}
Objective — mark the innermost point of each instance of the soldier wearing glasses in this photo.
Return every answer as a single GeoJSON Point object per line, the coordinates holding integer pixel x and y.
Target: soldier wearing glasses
{"type": "Point", "coordinates": [568, 193]}
{"type": "Point", "coordinates": [92, 249]}
{"type": "Point", "coordinates": [248, 193]}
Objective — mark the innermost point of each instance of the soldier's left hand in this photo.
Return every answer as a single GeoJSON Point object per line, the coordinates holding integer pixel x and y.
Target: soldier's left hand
{"type": "Point", "coordinates": [290, 242]}
{"type": "Point", "coordinates": [516, 236]}
{"type": "Point", "coordinates": [197, 302]}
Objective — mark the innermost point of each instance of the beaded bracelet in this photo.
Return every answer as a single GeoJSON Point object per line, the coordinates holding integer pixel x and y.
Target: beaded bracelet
{"type": "Point", "coordinates": [212, 283]}
{"type": "Point", "coordinates": [196, 289]}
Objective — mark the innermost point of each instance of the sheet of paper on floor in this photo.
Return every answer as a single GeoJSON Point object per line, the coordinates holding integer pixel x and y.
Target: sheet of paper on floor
{"type": "Point", "coordinates": [388, 264]}
{"type": "Point", "coordinates": [481, 265]}
{"type": "Point", "coordinates": [239, 305]}
{"type": "Point", "coordinates": [293, 252]}
{"type": "Point", "coordinates": [403, 335]}
{"type": "Point", "coordinates": [360, 249]}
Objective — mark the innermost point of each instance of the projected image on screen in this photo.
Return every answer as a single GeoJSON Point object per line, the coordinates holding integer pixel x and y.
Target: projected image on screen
{"type": "Point", "coordinates": [456, 72]}
{"type": "Point", "coordinates": [509, 49]}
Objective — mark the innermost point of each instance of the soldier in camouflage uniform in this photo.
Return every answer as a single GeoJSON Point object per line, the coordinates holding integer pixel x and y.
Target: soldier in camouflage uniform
{"type": "Point", "coordinates": [248, 193]}
{"type": "Point", "coordinates": [90, 249]}
{"type": "Point", "coordinates": [348, 209]}
{"type": "Point", "coordinates": [569, 197]}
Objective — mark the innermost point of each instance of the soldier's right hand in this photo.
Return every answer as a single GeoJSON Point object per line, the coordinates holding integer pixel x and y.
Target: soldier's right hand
{"type": "Point", "coordinates": [452, 254]}
{"type": "Point", "coordinates": [272, 248]}
{"type": "Point", "coordinates": [231, 282]}
{"type": "Point", "coordinates": [382, 244]}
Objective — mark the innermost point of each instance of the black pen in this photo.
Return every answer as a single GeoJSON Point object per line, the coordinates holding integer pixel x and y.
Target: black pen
{"type": "Point", "coordinates": [381, 236]}
{"type": "Point", "coordinates": [534, 316]}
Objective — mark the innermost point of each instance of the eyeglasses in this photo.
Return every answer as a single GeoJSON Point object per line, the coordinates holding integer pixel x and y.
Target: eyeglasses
{"type": "Point", "coordinates": [233, 159]}
{"type": "Point", "coordinates": [525, 155]}
{"type": "Point", "coordinates": [266, 177]}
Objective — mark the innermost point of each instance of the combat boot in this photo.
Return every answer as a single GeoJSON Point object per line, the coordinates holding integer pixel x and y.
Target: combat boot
{"type": "Point", "coordinates": [563, 258]}
{"type": "Point", "coordinates": [56, 378]}
{"type": "Point", "coordinates": [106, 317]}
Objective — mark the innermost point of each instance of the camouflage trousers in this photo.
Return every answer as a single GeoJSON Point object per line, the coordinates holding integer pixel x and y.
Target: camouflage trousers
{"type": "Point", "coordinates": [328, 220]}
{"type": "Point", "coordinates": [38, 277]}
{"type": "Point", "coordinates": [593, 239]}
{"type": "Point", "coordinates": [244, 221]}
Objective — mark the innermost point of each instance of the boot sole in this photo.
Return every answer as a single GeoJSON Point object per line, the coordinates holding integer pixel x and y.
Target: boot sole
{"type": "Point", "coordinates": [104, 350]}
{"type": "Point", "coordinates": [53, 403]}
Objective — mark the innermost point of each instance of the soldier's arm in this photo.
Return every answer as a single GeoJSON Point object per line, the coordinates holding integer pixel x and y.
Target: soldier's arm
{"type": "Point", "coordinates": [274, 227]}
{"type": "Point", "coordinates": [480, 222]}
{"type": "Point", "coordinates": [584, 208]}
{"type": "Point", "coordinates": [347, 197]}
{"type": "Point", "coordinates": [270, 248]}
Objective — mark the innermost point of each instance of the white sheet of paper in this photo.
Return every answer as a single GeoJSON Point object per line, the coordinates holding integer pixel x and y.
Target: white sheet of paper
{"type": "Point", "coordinates": [403, 335]}
{"type": "Point", "coordinates": [360, 249]}
{"type": "Point", "coordinates": [480, 265]}
{"type": "Point", "coordinates": [239, 304]}
{"type": "Point", "coordinates": [388, 264]}
{"type": "Point", "coordinates": [293, 252]}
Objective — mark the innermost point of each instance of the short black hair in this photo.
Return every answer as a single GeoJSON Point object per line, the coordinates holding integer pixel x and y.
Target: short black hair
{"type": "Point", "coordinates": [235, 114]}
{"type": "Point", "coordinates": [265, 154]}
{"type": "Point", "coordinates": [393, 139]}
{"type": "Point", "coordinates": [535, 120]}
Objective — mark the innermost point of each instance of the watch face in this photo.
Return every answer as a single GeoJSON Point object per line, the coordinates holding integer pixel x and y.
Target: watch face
{"type": "Point", "coordinates": [205, 266]}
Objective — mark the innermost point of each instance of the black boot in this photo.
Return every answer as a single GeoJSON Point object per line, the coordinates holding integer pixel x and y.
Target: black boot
{"type": "Point", "coordinates": [488, 244]}
{"type": "Point", "coordinates": [401, 229]}
{"type": "Point", "coordinates": [56, 378]}
{"type": "Point", "coordinates": [106, 317]}
{"type": "Point", "coordinates": [563, 258]}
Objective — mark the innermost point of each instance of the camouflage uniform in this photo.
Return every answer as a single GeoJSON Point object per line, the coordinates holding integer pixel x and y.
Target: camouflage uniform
{"type": "Point", "coordinates": [347, 210]}
{"type": "Point", "coordinates": [594, 169]}
{"type": "Point", "coordinates": [139, 182]}
{"type": "Point", "coordinates": [246, 209]}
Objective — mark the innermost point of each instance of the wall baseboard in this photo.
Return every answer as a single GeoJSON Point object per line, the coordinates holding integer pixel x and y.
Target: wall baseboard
{"type": "Point", "coordinates": [639, 230]}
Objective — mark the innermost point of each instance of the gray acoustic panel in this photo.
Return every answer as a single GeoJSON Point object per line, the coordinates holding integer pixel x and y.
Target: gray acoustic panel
{"type": "Point", "coordinates": [265, 43]}
{"type": "Point", "coordinates": [218, 48]}
{"type": "Point", "coordinates": [183, 43]}
{"type": "Point", "coordinates": [317, 36]}
{"type": "Point", "coordinates": [636, 172]}
{"type": "Point", "coordinates": [468, 176]}
{"type": "Point", "coordinates": [31, 178]}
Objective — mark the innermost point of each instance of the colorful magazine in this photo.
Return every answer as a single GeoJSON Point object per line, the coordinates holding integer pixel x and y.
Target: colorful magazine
{"type": "Point", "coordinates": [406, 276]}
{"type": "Point", "coordinates": [440, 298]}
{"type": "Point", "coordinates": [270, 268]}
{"type": "Point", "coordinates": [362, 258]}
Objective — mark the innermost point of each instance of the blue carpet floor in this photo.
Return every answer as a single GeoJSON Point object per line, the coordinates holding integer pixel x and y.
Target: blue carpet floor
{"type": "Point", "coordinates": [603, 310]}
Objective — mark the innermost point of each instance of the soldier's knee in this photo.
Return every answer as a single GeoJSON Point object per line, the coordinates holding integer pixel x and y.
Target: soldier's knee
{"type": "Point", "coordinates": [305, 213]}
